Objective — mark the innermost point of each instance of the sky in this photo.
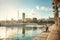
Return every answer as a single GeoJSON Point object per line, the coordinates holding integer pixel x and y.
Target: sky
{"type": "Point", "coordinates": [32, 8]}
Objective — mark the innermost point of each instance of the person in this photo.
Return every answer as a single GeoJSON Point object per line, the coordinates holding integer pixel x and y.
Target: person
{"type": "Point", "coordinates": [46, 29]}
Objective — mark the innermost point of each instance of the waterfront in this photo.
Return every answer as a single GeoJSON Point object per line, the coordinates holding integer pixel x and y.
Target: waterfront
{"type": "Point", "coordinates": [15, 33]}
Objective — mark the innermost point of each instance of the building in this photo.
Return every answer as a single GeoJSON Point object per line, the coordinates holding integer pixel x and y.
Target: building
{"type": "Point", "coordinates": [50, 20]}
{"type": "Point", "coordinates": [28, 20]}
{"type": "Point", "coordinates": [23, 17]}
{"type": "Point", "coordinates": [35, 20]}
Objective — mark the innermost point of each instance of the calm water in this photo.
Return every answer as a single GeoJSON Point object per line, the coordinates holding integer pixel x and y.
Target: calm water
{"type": "Point", "coordinates": [15, 33]}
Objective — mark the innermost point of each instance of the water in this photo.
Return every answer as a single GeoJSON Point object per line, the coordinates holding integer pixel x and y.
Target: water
{"type": "Point", "coordinates": [15, 33]}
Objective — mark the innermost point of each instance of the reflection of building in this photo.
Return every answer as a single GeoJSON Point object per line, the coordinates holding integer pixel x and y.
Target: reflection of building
{"type": "Point", "coordinates": [23, 17]}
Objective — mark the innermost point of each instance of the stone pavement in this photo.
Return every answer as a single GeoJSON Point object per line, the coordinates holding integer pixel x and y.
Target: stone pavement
{"type": "Point", "coordinates": [42, 36]}
{"type": "Point", "coordinates": [54, 34]}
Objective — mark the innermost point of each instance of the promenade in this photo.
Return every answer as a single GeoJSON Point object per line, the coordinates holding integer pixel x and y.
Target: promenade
{"type": "Point", "coordinates": [42, 36]}
{"type": "Point", "coordinates": [52, 34]}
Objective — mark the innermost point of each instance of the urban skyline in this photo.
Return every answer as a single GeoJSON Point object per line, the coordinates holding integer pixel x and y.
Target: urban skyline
{"type": "Point", "coordinates": [32, 8]}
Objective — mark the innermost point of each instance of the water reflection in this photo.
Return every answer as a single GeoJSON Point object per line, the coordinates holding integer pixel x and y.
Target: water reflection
{"type": "Point", "coordinates": [15, 33]}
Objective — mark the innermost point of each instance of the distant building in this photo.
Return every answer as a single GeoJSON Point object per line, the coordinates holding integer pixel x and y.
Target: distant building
{"type": "Point", "coordinates": [23, 17]}
{"type": "Point", "coordinates": [29, 20]}
{"type": "Point", "coordinates": [35, 20]}
{"type": "Point", "coordinates": [20, 21]}
{"type": "Point", "coordinates": [51, 20]}
{"type": "Point", "coordinates": [43, 19]}
{"type": "Point", "coordinates": [39, 20]}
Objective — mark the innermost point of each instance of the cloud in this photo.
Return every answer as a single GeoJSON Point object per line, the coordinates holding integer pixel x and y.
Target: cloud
{"type": "Point", "coordinates": [9, 11]}
{"type": "Point", "coordinates": [43, 8]}
{"type": "Point", "coordinates": [29, 13]}
{"type": "Point", "coordinates": [37, 7]}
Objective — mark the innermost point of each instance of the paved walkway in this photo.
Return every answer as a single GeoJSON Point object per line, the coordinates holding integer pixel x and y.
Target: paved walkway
{"type": "Point", "coordinates": [42, 36]}
{"type": "Point", "coordinates": [54, 34]}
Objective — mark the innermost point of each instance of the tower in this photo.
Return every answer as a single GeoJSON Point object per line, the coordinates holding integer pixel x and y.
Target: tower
{"type": "Point", "coordinates": [23, 17]}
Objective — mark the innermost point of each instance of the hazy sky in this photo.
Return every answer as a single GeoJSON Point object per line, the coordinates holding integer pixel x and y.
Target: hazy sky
{"type": "Point", "coordinates": [33, 8]}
